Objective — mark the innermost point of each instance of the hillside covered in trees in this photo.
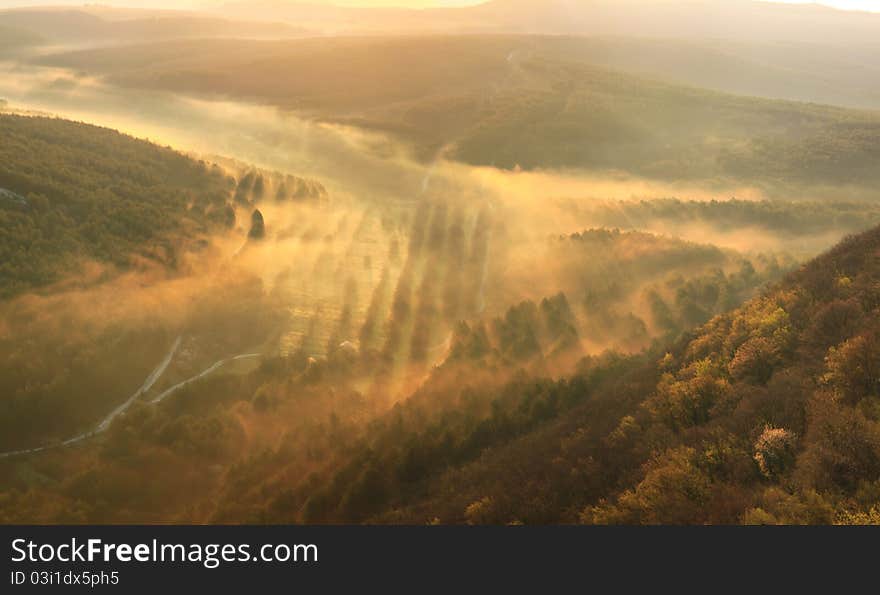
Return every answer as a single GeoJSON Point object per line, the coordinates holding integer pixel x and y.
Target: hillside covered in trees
{"type": "Point", "coordinates": [530, 279]}
{"type": "Point", "coordinates": [89, 193]}
{"type": "Point", "coordinates": [768, 414]}
{"type": "Point", "coordinates": [765, 414]}
{"type": "Point", "coordinates": [518, 101]}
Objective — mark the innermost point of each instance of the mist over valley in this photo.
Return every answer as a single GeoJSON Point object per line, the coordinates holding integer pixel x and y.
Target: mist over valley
{"type": "Point", "coordinates": [520, 262]}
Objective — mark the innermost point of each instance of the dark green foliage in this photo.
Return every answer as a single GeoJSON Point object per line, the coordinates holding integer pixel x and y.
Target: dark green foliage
{"type": "Point", "coordinates": [93, 193]}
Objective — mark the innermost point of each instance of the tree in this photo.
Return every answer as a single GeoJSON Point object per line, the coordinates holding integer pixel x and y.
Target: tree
{"type": "Point", "coordinates": [258, 226]}
{"type": "Point", "coordinates": [833, 323]}
{"type": "Point", "coordinates": [775, 451]}
{"type": "Point", "coordinates": [480, 512]}
{"type": "Point", "coordinates": [842, 447]}
{"type": "Point", "coordinates": [754, 361]}
{"type": "Point", "coordinates": [674, 491]}
{"type": "Point", "coordinates": [853, 368]}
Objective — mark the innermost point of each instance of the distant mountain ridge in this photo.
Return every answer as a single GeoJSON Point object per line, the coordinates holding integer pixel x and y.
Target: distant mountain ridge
{"type": "Point", "coordinates": [84, 26]}
{"type": "Point", "coordinates": [692, 19]}
{"type": "Point", "coordinates": [519, 101]}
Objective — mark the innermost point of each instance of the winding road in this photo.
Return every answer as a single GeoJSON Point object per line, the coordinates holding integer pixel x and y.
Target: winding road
{"type": "Point", "coordinates": [121, 409]}
{"type": "Point", "coordinates": [216, 366]}
{"type": "Point", "coordinates": [147, 385]}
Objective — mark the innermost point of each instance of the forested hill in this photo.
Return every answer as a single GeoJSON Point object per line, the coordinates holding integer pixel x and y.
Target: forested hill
{"type": "Point", "coordinates": [71, 191]}
{"type": "Point", "coordinates": [768, 414]}
{"type": "Point", "coordinates": [526, 101]}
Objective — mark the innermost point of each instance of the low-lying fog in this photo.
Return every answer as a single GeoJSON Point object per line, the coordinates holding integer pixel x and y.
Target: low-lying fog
{"type": "Point", "coordinates": [375, 189]}
{"type": "Point", "coordinates": [397, 252]}
{"type": "Point", "coordinates": [351, 163]}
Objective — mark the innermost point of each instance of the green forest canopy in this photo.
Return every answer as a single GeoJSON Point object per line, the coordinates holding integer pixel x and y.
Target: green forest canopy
{"type": "Point", "coordinates": [93, 193]}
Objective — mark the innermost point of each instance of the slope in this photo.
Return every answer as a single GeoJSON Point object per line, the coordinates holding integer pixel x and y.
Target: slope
{"type": "Point", "coordinates": [769, 414]}
{"type": "Point", "coordinates": [532, 102]}
{"type": "Point", "coordinates": [87, 193]}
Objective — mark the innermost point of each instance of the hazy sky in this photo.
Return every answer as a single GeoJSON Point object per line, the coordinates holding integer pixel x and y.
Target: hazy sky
{"type": "Point", "coordinates": [873, 5]}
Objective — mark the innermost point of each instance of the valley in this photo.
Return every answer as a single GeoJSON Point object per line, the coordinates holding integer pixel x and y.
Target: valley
{"type": "Point", "coordinates": [307, 271]}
